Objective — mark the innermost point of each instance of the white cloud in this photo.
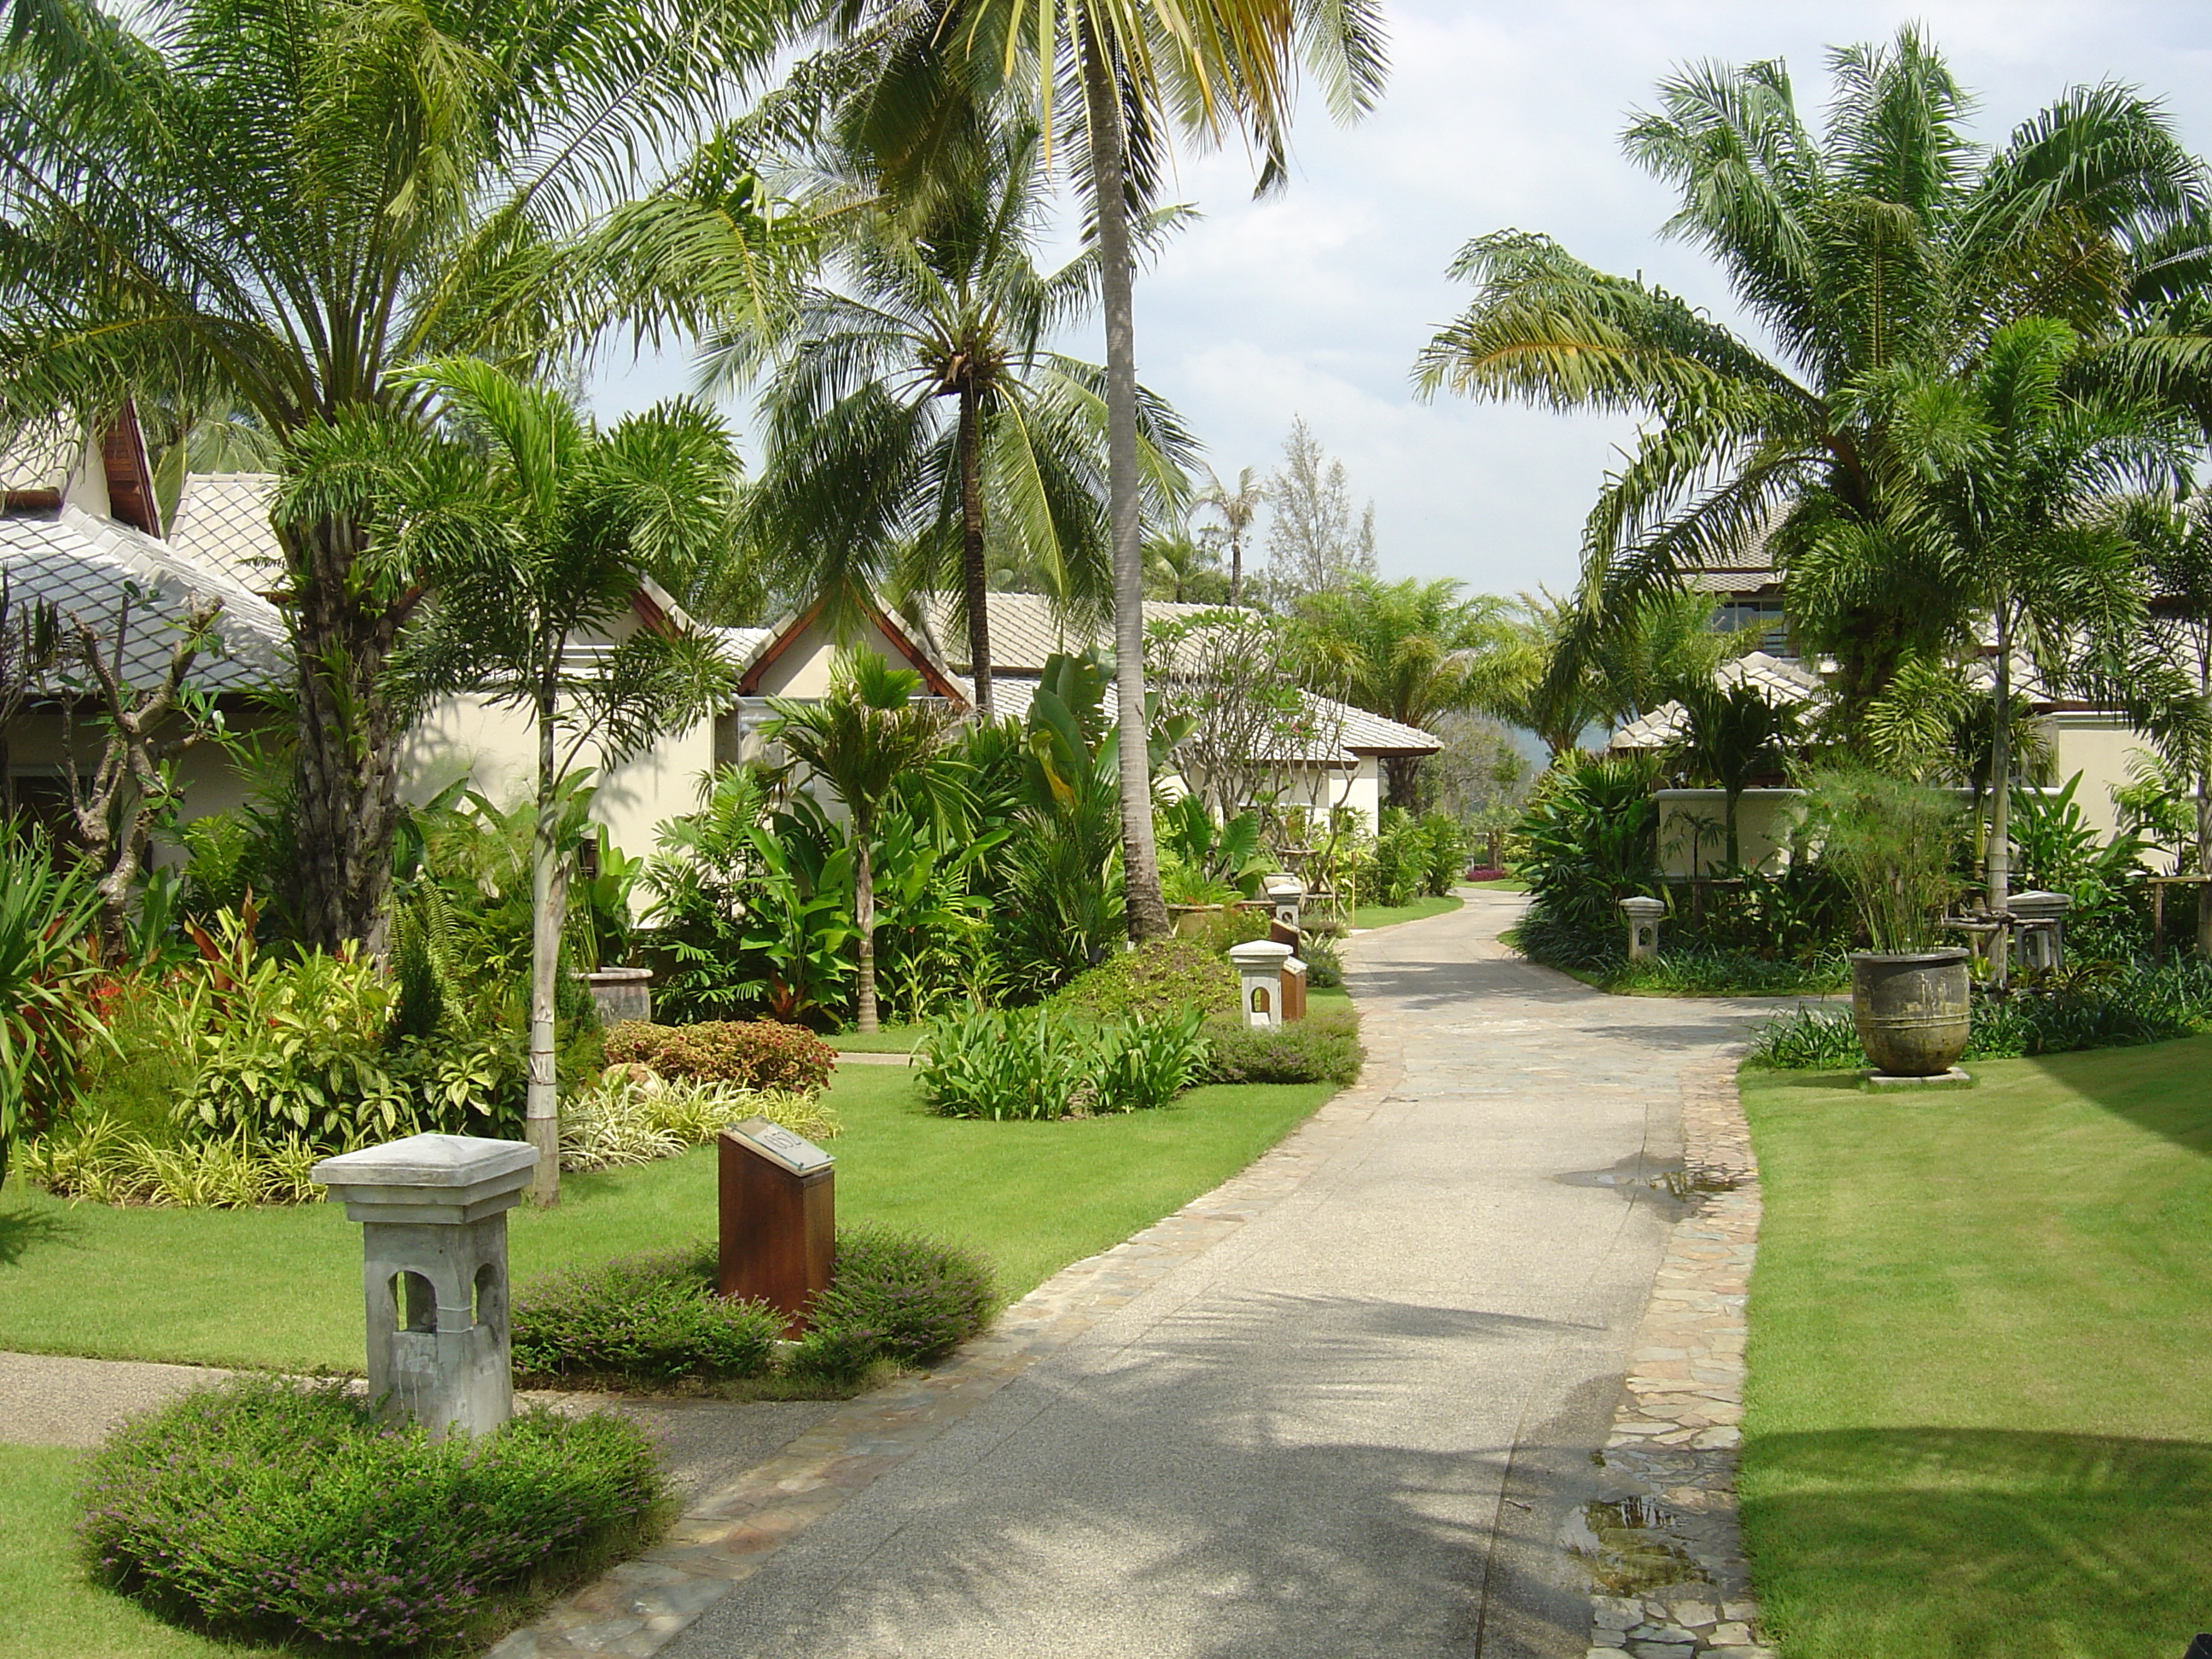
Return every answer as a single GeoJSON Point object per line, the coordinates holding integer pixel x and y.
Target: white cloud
{"type": "Point", "coordinates": [1497, 114]}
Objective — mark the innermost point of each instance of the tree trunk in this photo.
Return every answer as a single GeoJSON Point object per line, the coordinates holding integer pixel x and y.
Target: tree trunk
{"type": "Point", "coordinates": [972, 572]}
{"type": "Point", "coordinates": [1140, 869]}
{"type": "Point", "coordinates": [1236, 566]}
{"type": "Point", "coordinates": [1998, 868]}
{"type": "Point", "coordinates": [344, 766]}
{"type": "Point", "coordinates": [542, 1108]}
{"type": "Point", "coordinates": [863, 916]}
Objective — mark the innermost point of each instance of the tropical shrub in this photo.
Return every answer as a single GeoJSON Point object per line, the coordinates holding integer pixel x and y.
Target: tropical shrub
{"type": "Point", "coordinates": [1161, 976]}
{"type": "Point", "coordinates": [277, 1509]}
{"type": "Point", "coordinates": [1396, 866]}
{"type": "Point", "coordinates": [1005, 1063]}
{"type": "Point", "coordinates": [1894, 846]}
{"type": "Point", "coordinates": [1444, 849]}
{"type": "Point", "coordinates": [762, 1053]}
{"type": "Point", "coordinates": [48, 1024]}
{"type": "Point", "coordinates": [1039, 1063]}
{"type": "Point", "coordinates": [102, 1161]}
{"type": "Point", "coordinates": [632, 1115]}
{"type": "Point", "coordinates": [1143, 1064]}
{"type": "Point", "coordinates": [1324, 1047]}
{"type": "Point", "coordinates": [1588, 841]}
{"type": "Point", "coordinates": [1324, 968]}
{"type": "Point", "coordinates": [643, 1320]}
{"type": "Point", "coordinates": [893, 1296]}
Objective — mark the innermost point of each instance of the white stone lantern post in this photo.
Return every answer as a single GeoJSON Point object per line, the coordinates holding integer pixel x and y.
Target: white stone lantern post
{"type": "Point", "coordinates": [1258, 964]}
{"type": "Point", "coordinates": [432, 1210]}
{"type": "Point", "coordinates": [1285, 898]}
{"type": "Point", "coordinates": [2042, 919]}
{"type": "Point", "coordinates": [1643, 915]}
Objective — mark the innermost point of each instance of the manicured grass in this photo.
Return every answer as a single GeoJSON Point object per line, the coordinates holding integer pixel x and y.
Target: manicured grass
{"type": "Point", "coordinates": [892, 1040]}
{"type": "Point", "coordinates": [1979, 1415]}
{"type": "Point", "coordinates": [51, 1607]}
{"type": "Point", "coordinates": [1386, 915]}
{"type": "Point", "coordinates": [281, 1287]}
{"type": "Point", "coordinates": [1503, 885]}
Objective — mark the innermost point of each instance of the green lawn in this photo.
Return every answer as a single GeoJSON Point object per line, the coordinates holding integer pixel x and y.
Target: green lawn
{"type": "Point", "coordinates": [1385, 915]}
{"type": "Point", "coordinates": [892, 1040]}
{"type": "Point", "coordinates": [52, 1609]}
{"type": "Point", "coordinates": [281, 1287]}
{"type": "Point", "coordinates": [1980, 1414]}
{"type": "Point", "coordinates": [1503, 885]}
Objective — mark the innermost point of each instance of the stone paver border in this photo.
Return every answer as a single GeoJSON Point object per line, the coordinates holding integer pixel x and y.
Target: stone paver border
{"type": "Point", "coordinates": [1670, 1463]}
{"type": "Point", "coordinates": [725, 1536]}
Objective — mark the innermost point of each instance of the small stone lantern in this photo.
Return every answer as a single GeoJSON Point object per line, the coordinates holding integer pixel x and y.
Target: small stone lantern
{"type": "Point", "coordinates": [2041, 926]}
{"type": "Point", "coordinates": [434, 1270]}
{"type": "Point", "coordinates": [1643, 915]}
{"type": "Point", "coordinates": [1285, 897]}
{"type": "Point", "coordinates": [1258, 964]}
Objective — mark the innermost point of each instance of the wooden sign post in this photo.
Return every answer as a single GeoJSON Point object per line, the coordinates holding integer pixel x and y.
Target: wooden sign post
{"type": "Point", "coordinates": [779, 1217]}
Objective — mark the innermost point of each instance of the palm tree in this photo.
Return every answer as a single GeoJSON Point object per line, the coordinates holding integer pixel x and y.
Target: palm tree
{"type": "Point", "coordinates": [537, 528]}
{"type": "Point", "coordinates": [242, 205]}
{"type": "Point", "coordinates": [861, 739]}
{"type": "Point", "coordinates": [943, 306]}
{"type": "Point", "coordinates": [1409, 651]}
{"type": "Point", "coordinates": [1236, 507]}
{"type": "Point", "coordinates": [1202, 65]}
{"type": "Point", "coordinates": [1733, 734]}
{"type": "Point", "coordinates": [1890, 240]}
{"type": "Point", "coordinates": [2015, 471]}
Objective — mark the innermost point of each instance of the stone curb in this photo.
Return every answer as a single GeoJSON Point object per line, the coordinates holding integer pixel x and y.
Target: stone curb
{"type": "Point", "coordinates": [725, 1536]}
{"type": "Point", "coordinates": [1670, 1463]}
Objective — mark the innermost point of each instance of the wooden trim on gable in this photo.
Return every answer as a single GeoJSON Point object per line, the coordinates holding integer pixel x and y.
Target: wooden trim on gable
{"type": "Point", "coordinates": [130, 497]}
{"type": "Point", "coordinates": [935, 678]}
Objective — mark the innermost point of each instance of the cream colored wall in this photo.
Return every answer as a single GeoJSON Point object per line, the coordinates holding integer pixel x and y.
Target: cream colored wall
{"type": "Point", "coordinates": [2097, 747]}
{"type": "Point", "coordinates": [1763, 818]}
{"type": "Point", "coordinates": [803, 668]}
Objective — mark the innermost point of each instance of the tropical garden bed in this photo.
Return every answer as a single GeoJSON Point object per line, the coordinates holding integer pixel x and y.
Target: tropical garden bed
{"type": "Point", "coordinates": [1977, 1418]}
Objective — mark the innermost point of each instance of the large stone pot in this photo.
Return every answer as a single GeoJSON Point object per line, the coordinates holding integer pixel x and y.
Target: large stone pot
{"type": "Point", "coordinates": [1913, 1011]}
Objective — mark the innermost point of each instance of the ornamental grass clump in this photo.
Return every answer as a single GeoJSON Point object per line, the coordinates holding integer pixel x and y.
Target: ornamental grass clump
{"type": "Point", "coordinates": [1894, 846]}
{"type": "Point", "coordinates": [632, 1115]}
{"type": "Point", "coordinates": [893, 1296]}
{"type": "Point", "coordinates": [273, 1511]}
{"type": "Point", "coordinates": [1034, 1063]}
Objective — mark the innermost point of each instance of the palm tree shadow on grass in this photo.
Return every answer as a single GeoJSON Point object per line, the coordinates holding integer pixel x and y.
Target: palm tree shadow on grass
{"type": "Point", "coordinates": [2157, 1086]}
{"type": "Point", "coordinates": [1979, 1542]}
{"type": "Point", "coordinates": [22, 1229]}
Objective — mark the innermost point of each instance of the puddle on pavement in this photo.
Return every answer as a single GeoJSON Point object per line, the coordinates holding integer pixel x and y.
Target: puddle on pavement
{"type": "Point", "coordinates": [1624, 1547]}
{"type": "Point", "coordinates": [1634, 1177]}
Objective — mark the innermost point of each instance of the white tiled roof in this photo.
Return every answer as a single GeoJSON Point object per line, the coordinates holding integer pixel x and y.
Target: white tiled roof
{"type": "Point", "coordinates": [84, 567]}
{"type": "Point", "coordinates": [41, 456]}
{"type": "Point", "coordinates": [1025, 631]}
{"type": "Point", "coordinates": [222, 524]}
{"type": "Point", "coordinates": [1780, 680]}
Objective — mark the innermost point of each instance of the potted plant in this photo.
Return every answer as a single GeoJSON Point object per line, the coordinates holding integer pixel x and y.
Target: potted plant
{"type": "Point", "coordinates": [1894, 846]}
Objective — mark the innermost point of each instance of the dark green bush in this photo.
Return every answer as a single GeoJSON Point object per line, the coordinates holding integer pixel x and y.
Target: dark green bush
{"type": "Point", "coordinates": [645, 1320]}
{"type": "Point", "coordinates": [1166, 976]}
{"type": "Point", "coordinates": [275, 1510]}
{"type": "Point", "coordinates": [1324, 1047]}
{"type": "Point", "coordinates": [1324, 968]}
{"type": "Point", "coordinates": [893, 1296]}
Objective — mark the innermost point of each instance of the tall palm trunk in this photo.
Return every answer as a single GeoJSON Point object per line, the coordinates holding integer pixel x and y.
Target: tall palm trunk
{"type": "Point", "coordinates": [972, 571]}
{"type": "Point", "coordinates": [864, 914]}
{"type": "Point", "coordinates": [1236, 566]}
{"type": "Point", "coordinates": [347, 805]}
{"type": "Point", "coordinates": [1998, 864]}
{"type": "Point", "coordinates": [1141, 868]}
{"type": "Point", "coordinates": [548, 899]}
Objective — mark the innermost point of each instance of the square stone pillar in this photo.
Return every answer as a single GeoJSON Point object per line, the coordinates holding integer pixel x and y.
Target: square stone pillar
{"type": "Point", "coordinates": [1258, 964]}
{"type": "Point", "coordinates": [432, 1210]}
{"type": "Point", "coordinates": [1643, 915]}
{"type": "Point", "coordinates": [2042, 930]}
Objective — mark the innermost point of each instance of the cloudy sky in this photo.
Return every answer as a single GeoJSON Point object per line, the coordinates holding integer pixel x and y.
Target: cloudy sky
{"type": "Point", "coordinates": [1315, 301]}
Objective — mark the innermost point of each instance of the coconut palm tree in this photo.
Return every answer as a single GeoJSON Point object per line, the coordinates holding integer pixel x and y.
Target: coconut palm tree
{"type": "Point", "coordinates": [1237, 508]}
{"type": "Point", "coordinates": [864, 737]}
{"type": "Point", "coordinates": [912, 409]}
{"type": "Point", "coordinates": [1409, 651]}
{"type": "Point", "coordinates": [1732, 734]}
{"type": "Point", "coordinates": [1137, 74]}
{"type": "Point", "coordinates": [536, 530]}
{"type": "Point", "coordinates": [1888, 239]}
{"type": "Point", "coordinates": [265, 207]}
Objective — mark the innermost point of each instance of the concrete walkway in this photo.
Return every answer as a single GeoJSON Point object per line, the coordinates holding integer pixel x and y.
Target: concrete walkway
{"type": "Point", "coordinates": [1356, 1426]}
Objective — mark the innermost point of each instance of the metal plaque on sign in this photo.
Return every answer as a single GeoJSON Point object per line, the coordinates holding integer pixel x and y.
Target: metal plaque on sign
{"type": "Point", "coordinates": [795, 1152]}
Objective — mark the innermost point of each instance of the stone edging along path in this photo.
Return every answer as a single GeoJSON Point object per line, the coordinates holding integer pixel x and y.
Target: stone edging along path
{"type": "Point", "coordinates": [1669, 1510]}
{"type": "Point", "coordinates": [725, 1536]}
